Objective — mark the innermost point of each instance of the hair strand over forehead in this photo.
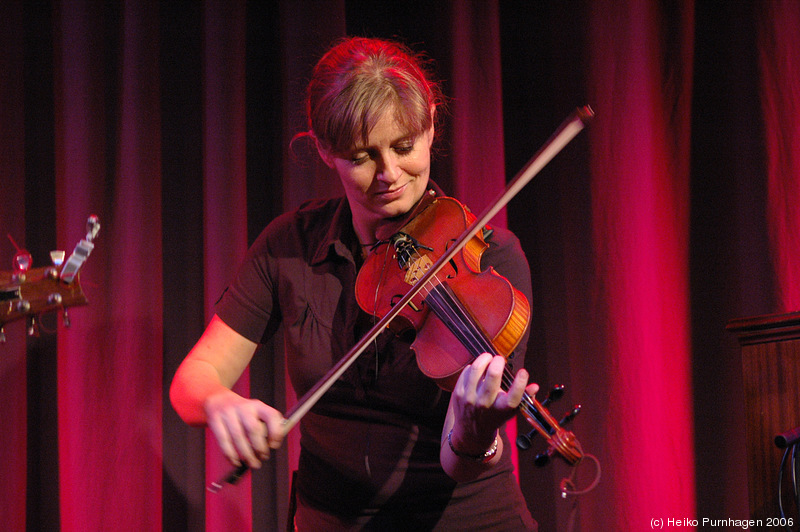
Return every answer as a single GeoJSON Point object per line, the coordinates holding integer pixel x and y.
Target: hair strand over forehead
{"type": "Point", "coordinates": [360, 79]}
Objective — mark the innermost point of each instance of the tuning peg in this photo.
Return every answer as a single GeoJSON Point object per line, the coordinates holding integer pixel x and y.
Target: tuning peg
{"type": "Point", "coordinates": [22, 261]}
{"type": "Point", "coordinates": [92, 227]}
{"type": "Point", "coordinates": [543, 458]}
{"type": "Point", "coordinates": [33, 327]}
{"type": "Point", "coordinates": [22, 258]}
{"type": "Point", "coordinates": [555, 394]}
{"type": "Point", "coordinates": [65, 319]}
{"type": "Point", "coordinates": [2, 335]}
{"type": "Point", "coordinates": [569, 417]}
{"type": "Point", "coordinates": [23, 306]}
{"type": "Point", "coordinates": [524, 440]}
{"type": "Point", "coordinates": [57, 257]}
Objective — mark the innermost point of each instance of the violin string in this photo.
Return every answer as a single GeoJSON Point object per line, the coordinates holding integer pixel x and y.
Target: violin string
{"type": "Point", "coordinates": [375, 307]}
{"type": "Point", "coordinates": [441, 297]}
{"type": "Point", "coordinates": [473, 338]}
{"type": "Point", "coordinates": [479, 343]}
{"type": "Point", "coordinates": [447, 305]}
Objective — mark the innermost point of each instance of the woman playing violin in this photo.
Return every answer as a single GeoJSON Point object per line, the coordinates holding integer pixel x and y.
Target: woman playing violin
{"type": "Point", "coordinates": [385, 448]}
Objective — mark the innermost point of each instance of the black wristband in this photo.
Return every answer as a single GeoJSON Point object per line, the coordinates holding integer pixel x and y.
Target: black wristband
{"type": "Point", "coordinates": [485, 457]}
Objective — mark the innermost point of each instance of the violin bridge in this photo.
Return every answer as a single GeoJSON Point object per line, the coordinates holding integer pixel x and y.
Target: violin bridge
{"type": "Point", "coordinates": [417, 266]}
{"type": "Point", "coordinates": [407, 253]}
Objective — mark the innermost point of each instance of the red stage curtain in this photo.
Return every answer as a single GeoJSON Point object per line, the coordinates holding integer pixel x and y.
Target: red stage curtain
{"type": "Point", "coordinates": [479, 175]}
{"type": "Point", "coordinates": [172, 121]}
{"type": "Point", "coordinates": [640, 85]}
{"type": "Point", "coordinates": [109, 363]}
{"type": "Point", "coordinates": [779, 55]}
{"type": "Point", "coordinates": [13, 374]}
{"type": "Point", "coordinates": [224, 212]}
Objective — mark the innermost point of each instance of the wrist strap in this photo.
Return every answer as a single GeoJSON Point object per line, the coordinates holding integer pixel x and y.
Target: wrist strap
{"type": "Point", "coordinates": [485, 457]}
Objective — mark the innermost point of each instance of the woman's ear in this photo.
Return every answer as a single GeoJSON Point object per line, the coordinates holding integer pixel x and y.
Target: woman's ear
{"type": "Point", "coordinates": [324, 154]}
{"type": "Point", "coordinates": [432, 130]}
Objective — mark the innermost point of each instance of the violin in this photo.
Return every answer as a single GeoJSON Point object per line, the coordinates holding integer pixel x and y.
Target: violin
{"type": "Point", "coordinates": [473, 311]}
{"type": "Point", "coordinates": [426, 278]}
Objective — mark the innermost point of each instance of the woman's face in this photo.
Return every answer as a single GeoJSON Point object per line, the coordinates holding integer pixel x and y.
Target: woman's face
{"type": "Point", "coordinates": [386, 176]}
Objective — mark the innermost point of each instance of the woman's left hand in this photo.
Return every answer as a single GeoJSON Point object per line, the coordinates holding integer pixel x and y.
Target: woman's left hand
{"type": "Point", "coordinates": [480, 406]}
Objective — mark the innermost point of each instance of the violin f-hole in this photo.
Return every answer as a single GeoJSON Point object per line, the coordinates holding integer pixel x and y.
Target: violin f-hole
{"type": "Point", "coordinates": [411, 304]}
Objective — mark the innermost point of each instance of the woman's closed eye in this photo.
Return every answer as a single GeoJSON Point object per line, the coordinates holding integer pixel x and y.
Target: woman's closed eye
{"type": "Point", "coordinates": [403, 149]}
{"type": "Point", "coordinates": [360, 156]}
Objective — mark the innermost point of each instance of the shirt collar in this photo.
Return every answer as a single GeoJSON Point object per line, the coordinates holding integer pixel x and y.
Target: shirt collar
{"type": "Point", "coordinates": [340, 230]}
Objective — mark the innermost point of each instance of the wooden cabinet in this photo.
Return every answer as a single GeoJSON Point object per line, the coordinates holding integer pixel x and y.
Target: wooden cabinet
{"type": "Point", "coordinates": [771, 365]}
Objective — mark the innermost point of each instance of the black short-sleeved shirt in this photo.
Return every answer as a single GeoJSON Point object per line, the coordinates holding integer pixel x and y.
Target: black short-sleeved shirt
{"type": "Point", "coordinates": [370, 446]}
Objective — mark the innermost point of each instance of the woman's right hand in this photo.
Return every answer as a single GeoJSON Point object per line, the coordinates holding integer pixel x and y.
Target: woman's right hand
{"type": "Point", "coordinates": [245, 429]}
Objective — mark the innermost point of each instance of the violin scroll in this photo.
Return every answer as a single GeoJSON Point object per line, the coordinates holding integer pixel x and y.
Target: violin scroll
{"type": "Point", "coordinates": [559, 440]}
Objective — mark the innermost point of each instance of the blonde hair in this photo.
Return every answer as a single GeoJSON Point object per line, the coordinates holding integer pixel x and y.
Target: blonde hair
{"type": "Point", "coordinates": [357, 81]}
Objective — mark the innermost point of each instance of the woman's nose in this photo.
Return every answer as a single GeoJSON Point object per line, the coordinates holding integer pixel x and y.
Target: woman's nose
{"type": "Point", "coordinates": [389, 169]}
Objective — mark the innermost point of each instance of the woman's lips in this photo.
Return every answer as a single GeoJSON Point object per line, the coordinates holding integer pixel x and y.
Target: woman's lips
{"type": "Point", "coordinates": [391, 195]}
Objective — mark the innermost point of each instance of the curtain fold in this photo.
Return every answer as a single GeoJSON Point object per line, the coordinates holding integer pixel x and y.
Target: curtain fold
{"type": "Point", "coordinates": [224, 218]}
{"type": "Point", "coordinates": [13, 373]}
{"type": "Point", "coordinates": [477, 106]}
{"type": "Point", "coordinates": [639, 187]}
{"type": "Point", "coordinates": [779, 61]}
{"type": "Point", "coordinates": [109, 363]}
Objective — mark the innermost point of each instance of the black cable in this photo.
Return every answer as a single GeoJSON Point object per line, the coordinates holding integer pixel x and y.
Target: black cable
{"type": "Point", "coordinates": [780, 484]}
{"type": "Point", "coordinates": [796, 491]}
{"type": "Point", "coordinates": [794, 470]}
{"type": "Point", "coordinates": [795, 465]}
{"type": "Point", "coordinates": [789, 440]}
